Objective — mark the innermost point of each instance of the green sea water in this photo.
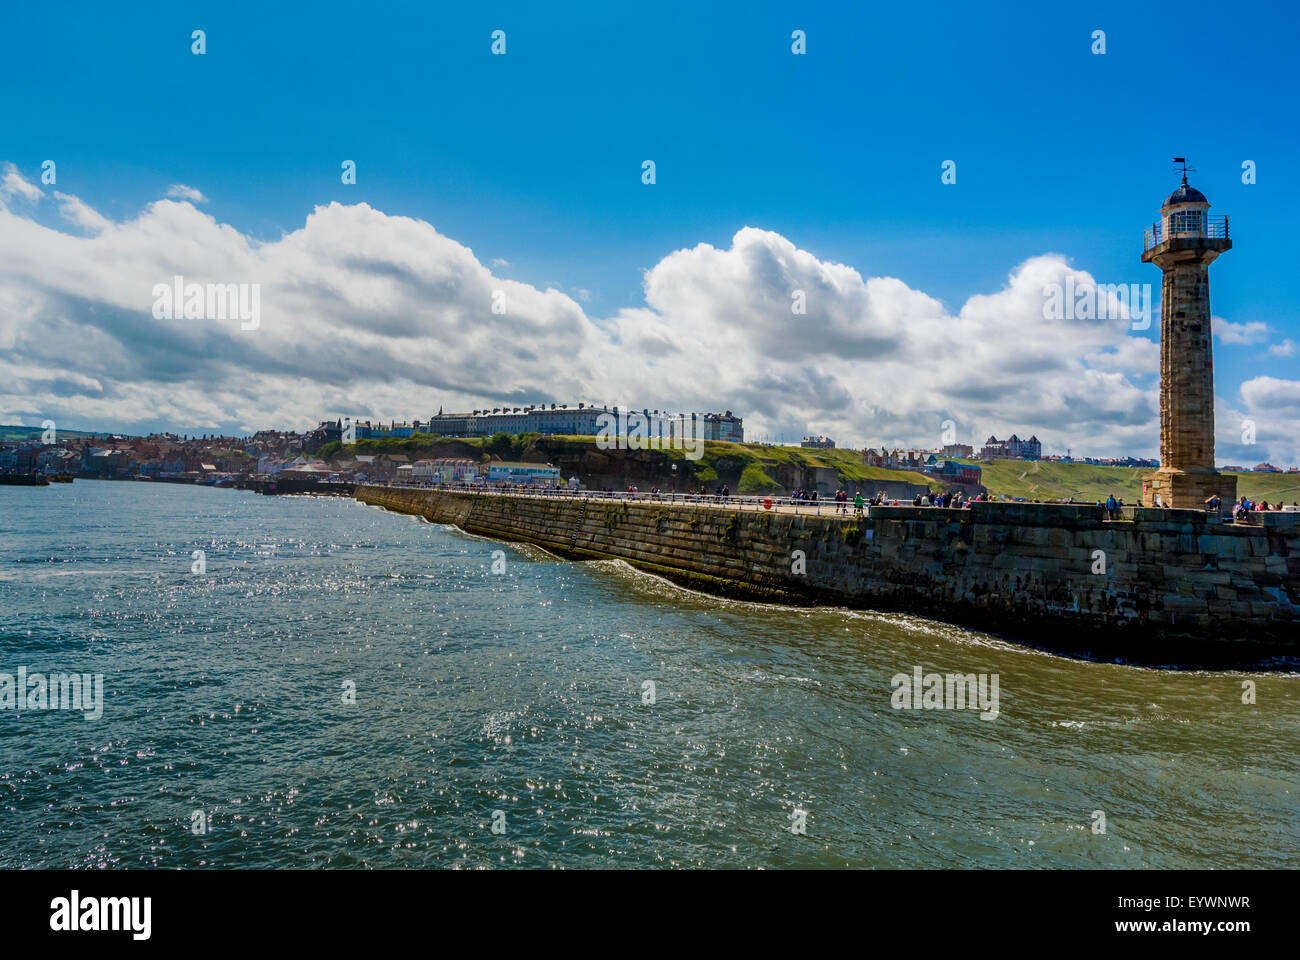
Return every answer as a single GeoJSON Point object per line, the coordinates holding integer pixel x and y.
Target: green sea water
{"type": "Point", "coordinates": [519, 697]}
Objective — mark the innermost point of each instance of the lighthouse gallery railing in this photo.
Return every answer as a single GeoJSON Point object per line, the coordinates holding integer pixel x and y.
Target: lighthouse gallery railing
{"type": "Point", "coordinates": [1216, 228]}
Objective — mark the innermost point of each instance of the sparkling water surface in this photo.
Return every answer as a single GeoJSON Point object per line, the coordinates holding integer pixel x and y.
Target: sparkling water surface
{"type": "Point", "coordinates": [523, 692]}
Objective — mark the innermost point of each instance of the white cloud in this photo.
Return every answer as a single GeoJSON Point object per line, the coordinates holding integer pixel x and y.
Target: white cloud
{"type": "Point", "coordinates": [12, 184]}
{"type": "Point", "coordinates": [1272, 395]}
{"type": "Point", "coordinates": [74, 210]}
{"type": "Point", "coordinates": [1134, 354]}
{"type": "Point", "coordinates": [1272, 408]}
{"type": "Point", "coordinates": [370, 314]}
{"type": "Point", "coordinates": [1284, 349]}
{"type": "Point", "coordinates": [179, 191]}
{"type": "Point", "coordinates": [1239, 333]}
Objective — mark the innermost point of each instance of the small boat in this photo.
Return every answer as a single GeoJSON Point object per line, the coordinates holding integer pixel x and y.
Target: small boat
{"type": "Point", "coordinates": [61, 478]}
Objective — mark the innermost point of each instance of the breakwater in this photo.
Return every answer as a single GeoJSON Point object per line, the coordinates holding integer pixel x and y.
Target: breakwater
{"type": "Point", "coordinates": [1173, 587]}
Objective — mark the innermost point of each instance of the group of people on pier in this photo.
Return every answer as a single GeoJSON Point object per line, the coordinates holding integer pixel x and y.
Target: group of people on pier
{"type": "Point", "coordinates": [1245, 505]}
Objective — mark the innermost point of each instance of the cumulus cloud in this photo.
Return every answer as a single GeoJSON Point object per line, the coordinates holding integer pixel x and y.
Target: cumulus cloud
{"type": "Point", "coordinates": [1240, 333]}
{"type": "Point", "coordinates": [873, 360]}
{"type": "Point", "coordinates": [1262, 426]}
{"type": "Point", "coordinates": [370, 314]}
{"type": "Point", "coordinates": [179, 191]}
{"type": "Point", "coordinates": [1284, 349]}
{"type": "Point", "coordinates": [12, 184]}
{"type": "Point", "coordinates": [74, 210]}
{"type": "Point", "coordinates": [1272, 395]}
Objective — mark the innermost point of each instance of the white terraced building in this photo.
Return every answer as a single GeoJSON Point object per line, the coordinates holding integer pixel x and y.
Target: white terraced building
{"type": "Point", "coordinates": [572, 420]}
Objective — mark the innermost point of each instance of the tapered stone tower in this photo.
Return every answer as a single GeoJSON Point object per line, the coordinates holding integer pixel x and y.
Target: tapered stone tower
{"type": "Point", "coordinates": [1184, 244]}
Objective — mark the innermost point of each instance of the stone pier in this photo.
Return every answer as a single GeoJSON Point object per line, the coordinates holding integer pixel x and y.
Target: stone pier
{"type": "Point", "coordinates": [1171, 587]}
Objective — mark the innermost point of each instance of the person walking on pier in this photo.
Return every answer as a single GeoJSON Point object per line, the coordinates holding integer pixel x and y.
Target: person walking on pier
{"type": "Point", "coordinates": [857, 504]}
{"type": "Point", "coordinates": [1111, 505]}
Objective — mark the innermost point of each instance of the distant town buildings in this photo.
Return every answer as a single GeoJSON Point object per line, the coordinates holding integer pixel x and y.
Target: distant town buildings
{"type": "Point", "coordinates": [1259, 468]}
{"type": "Point", "coordinates": [580, 419]}
{"type": "Point", "coordinates": [120, 457]}
{"type": "Point", "coordinates": [446, 470]}
{"type": "Point", "coordinates": [930, 462]}
{"type": "Point", "coordinates": [1105, 461]}
{"type": "Point", "coordinates": [577, 420]}
{"type": "Point", "coordinates": [1011, 449]}
{"type": "Point", "coordinates": [271, 453]}
{"type": "Point", "coordinates": [899, 459]}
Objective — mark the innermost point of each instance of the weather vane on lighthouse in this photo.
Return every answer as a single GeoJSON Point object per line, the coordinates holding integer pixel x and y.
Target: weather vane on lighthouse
{"type": "Point", "coordinates": [1184, 167]}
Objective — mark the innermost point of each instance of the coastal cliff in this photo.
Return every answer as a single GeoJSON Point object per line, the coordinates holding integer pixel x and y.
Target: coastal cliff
{"type": "Point", "coordinates": [1162, 587]}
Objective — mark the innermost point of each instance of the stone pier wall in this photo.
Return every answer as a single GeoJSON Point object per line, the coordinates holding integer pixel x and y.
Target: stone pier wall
{"type": "Point", "coordinates": [1167, 586]}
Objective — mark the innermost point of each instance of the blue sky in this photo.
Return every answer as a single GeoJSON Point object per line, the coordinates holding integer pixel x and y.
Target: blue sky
{"type": "Point", "coordinates": [534, 158]}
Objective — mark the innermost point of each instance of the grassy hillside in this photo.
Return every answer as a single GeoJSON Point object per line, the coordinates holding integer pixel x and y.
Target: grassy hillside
{"type": "Point", "coordinates": [423, 445]}
{"type": "Point", "coordinates": [763, 462]}
{"type": "Point", "coordinates": [1050, 481]}
{"type": "Point", "coordinates": [1037, 480]}
{"type": "Point", "coordinates": [1034, 480]}
{"type": "Point", "coordinates": [1270, 486]}
{"type": "Point", "coordinates": [758, 467]}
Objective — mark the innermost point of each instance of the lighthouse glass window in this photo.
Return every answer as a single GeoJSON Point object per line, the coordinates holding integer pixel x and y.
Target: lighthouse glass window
{"type": "Point", "coordinates": [1187, 221]}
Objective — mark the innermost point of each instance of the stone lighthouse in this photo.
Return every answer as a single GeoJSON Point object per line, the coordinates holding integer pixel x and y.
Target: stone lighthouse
{"type": "Point", "coordinates": [1183, 245]}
